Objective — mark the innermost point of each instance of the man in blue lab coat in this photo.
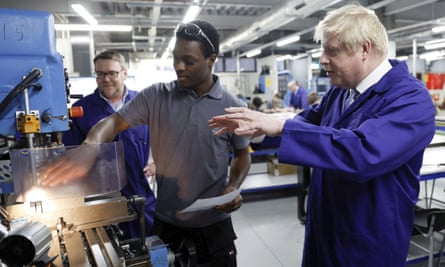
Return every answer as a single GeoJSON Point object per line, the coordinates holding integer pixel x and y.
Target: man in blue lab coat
{"type": "Point", "coordinates": [110, 95]}
{"type": "Point", "coordinates": [298, 97]}
{"type": "Point", "coordinates": [366, 157]}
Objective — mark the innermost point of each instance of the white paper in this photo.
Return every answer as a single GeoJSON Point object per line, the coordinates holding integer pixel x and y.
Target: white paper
{"type": "Point", "coordinates": [208, 203]}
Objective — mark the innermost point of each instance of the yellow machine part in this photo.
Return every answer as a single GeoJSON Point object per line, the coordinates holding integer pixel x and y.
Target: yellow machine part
{"type": "Point", "coordinates": [28, 123]}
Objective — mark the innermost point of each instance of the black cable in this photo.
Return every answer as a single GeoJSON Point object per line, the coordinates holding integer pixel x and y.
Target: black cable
{"type": "Point", "coordinates": [25, 83]}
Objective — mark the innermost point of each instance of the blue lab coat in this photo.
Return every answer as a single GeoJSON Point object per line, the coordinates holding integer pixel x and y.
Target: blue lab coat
{"type": "Point", "coordinates": [366, 165]}
{"type": "Point", "coordinates": [136, 147]}
{"type": "Point", "coordinates": [298, 99]}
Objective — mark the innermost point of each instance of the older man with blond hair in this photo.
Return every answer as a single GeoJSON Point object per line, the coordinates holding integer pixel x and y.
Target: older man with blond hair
{"type": "Point", "coordinates": [365, 155]}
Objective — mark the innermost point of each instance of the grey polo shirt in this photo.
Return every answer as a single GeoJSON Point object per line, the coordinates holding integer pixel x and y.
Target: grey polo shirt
{"type": "Point", "coordinates": [191, 162]}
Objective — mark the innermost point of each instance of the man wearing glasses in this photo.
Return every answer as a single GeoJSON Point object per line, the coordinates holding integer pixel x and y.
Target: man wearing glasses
{"type": "Point", "coordinates": [191, 162]}
{"type": "Point", "coordinates": [109, 96]}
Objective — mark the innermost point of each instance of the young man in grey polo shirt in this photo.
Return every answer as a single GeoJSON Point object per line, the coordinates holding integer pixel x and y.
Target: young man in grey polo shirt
{"type": "Point", "coordinates": [191, 162]}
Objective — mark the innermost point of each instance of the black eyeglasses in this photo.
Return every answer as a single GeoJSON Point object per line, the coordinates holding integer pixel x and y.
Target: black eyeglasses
{"type": "Point", "coordinates": [111, 74]}
{"type": "Point", "coordinates": [194, 30]}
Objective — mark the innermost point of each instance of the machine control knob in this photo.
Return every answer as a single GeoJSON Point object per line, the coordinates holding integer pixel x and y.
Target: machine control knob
{"type": "Point", "coordinates": [76, 112]}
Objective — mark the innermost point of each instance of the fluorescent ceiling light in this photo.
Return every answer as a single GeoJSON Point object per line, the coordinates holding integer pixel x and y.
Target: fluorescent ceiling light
{"type": "Point", "coordinates": [165, 55]}
{"type": "Point", "coordinates": [435, 44]}
{"type": "Point", "coordinates": [80, 39]}
{"type": "Point", "coordinates": [168, 51]}
{"type": "Point", "coordinates": [288, 40]}
{"type": "Point", "coordinates": [435, 41]}
{"type": "Point", "coordinates": [171, 44]}
{"type": "Point", "coordinates": [434, 55]}
{"type": "Point", "coordinates": [438, 29]}
{"type": "Point", "coordinates": [292, 57]}
{"type": "Point", "coordinates": [316, 55]}
{"type": "Point", "coordinates": [86, 27]}
{"type": "Point", "coordinates": [192, 13]}
{"type": "Point", "coordinates": [84, 14]}
{"type": "Point", "coordinates": [315, 66]}
{"type": "Point", "coordinates": [254, 52]}
{"type": "Point", "coordinates": [284, 57]}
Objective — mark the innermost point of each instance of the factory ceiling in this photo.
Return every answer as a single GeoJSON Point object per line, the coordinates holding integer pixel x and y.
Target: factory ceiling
{"type": "Point", "coordinates": [243, 24]}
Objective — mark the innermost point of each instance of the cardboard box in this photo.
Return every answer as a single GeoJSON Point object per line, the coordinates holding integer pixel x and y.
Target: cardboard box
{"type": "Point", "coordinates": [275, 168]}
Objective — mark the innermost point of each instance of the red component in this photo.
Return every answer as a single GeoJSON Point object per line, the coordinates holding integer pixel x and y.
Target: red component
{"type": "Point", "coordinates": [76, 112]}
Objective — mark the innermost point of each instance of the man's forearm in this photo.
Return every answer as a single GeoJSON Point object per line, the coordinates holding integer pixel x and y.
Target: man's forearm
{"type": "Point", "coordinates": [239, 168]}
{"type": "Point", "coordinates": [106, 130]}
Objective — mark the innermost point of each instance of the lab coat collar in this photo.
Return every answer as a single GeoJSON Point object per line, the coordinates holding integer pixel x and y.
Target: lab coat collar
{"type": "Point", "coordinates": [384, 75]}
{"type": "Point", "coordinates": [392, 76]}
{"type": "Point", "coordinates": [375, 76]}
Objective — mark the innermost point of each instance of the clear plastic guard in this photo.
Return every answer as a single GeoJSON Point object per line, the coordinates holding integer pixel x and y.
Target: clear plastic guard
{"type": "Point", "coordinates": [107, 174]}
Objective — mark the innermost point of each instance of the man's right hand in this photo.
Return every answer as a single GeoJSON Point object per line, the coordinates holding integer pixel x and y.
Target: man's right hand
{"type": "Point", "coordinates": [246, 122]}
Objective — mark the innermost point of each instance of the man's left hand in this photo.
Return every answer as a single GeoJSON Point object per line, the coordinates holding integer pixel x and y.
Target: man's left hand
{"type": "Point", "coordinates": [232, 205]}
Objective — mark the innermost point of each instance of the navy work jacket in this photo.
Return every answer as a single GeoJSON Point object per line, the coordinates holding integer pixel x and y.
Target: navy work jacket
{"type": "Point", "coordinates": [366, 162]}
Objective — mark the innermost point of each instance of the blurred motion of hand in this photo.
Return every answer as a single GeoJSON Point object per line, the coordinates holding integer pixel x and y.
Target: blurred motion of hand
{"type": "Point", "coordinates": [72, 165]}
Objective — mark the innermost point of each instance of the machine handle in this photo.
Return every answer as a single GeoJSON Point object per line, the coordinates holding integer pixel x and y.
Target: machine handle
{"type": "Point", "coordinates": [76, 112]}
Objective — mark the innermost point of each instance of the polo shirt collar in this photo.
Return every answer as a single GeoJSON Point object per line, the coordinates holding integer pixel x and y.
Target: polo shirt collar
{"type": "Point", "coordinates": [215, 92]}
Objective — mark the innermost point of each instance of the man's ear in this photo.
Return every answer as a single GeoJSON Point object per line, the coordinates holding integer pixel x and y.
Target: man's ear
{"type": "Point", "coordinates": [366, 49]}
{"type": "Point", "coordinates": [125, 72]}
{"type": "Point", "coordinates": [212, 59]}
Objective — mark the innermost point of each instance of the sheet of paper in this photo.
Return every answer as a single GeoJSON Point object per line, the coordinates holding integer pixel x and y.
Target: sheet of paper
{"type": "Point", "coordinates": [208, 203]}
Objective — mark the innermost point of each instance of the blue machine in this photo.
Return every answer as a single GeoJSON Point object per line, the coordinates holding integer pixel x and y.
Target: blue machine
{"type": "Point", "coordinates": [33, 90]}
{"type": "Point", "coordinates": [33, 113]}
{"type": "Point", "coordinates": [33, 94]}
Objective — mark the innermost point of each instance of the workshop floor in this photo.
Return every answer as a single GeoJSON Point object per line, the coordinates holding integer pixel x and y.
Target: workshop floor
{"type": "Point", "coordinates": [269, 233]}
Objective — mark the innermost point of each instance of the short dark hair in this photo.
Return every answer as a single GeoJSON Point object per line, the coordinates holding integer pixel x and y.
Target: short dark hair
{"type": "Point", "coordinates": [111, 54]}
{"type": "Point", "coordinates": [209, 30]}
{"type": "Point", "coordinates": [257, 102]}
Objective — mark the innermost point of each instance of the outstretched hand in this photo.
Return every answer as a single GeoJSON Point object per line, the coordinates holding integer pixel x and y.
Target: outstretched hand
{"type": "Point", "coordinates": [246, 122]}
{"type": "Point", "coordinates": [72, 165]}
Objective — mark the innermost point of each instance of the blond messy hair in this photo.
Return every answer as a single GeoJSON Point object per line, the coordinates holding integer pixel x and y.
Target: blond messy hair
{"type": "Point", "coordinates": [352, 25]}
